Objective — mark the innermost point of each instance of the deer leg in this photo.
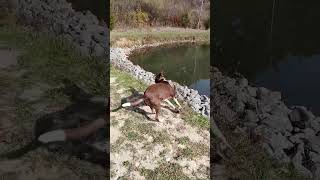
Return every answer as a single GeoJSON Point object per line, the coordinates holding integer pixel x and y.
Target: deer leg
{"type": "Point", "coordinates": [175, 100]}
{"type": "Point", "coordinates": [152, 110]}
{"type": "Point", "coordinates": [167, 101]}
{"type": "Point", "coordinates": [157, 108]}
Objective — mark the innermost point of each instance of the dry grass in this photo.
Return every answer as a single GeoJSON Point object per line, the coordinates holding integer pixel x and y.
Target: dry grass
{"type": "Point", "coordinates": [136, 37]}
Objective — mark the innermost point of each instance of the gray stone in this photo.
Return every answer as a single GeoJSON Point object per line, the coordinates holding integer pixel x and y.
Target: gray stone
{"type": "Point", "coordinates": [262, 92]}
{"type": "Point", "coordinates": [279, 123]}
{"type": "Point", "coordinates": [300, 113]}
{"type": "Point", "coordinates": [251, 116]}
{"type": "Point", "coordinates": [238, 106]}
{"type": "Point", "coordinates": [252, 91]}
{"type": "Point", "coordinates": [314, 124]}
{"type": "Point", "coordinates": [297, 138]}
{"type": "Point", "coordinates": [297, 162]}
{"type": "Point", "coordinates": [315, 157]}
{"type": "Point", "coordinates": [316, 174]}
{"type": "Point", "coordinates": [98, 50]}
{"type": "Point", "coordinates": [243, 82]}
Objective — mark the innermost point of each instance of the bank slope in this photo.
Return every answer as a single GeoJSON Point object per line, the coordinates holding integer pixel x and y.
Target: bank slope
{"type": "Point", "coordinates": [175, 148]}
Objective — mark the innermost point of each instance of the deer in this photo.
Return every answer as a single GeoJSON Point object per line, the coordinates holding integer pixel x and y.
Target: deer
{"type": "Point", "coordinates": [157, 93]}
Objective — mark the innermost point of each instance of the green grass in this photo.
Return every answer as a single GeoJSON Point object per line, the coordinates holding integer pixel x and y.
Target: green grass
{"type": "Point", "coordinates": [192, 149]}
{"type": "Point", "coordinates": [126, 81]}
{"type": "Point", "coordinates": [195, 119]}
{"type": "Point", "coordinates": [166, 171]}
{"type": "Point", "coordinates": [249, 161]}
{"type": "Point", "coordinates": [161, 35]}
{"type": "Point", "coordinates": [50, 59]}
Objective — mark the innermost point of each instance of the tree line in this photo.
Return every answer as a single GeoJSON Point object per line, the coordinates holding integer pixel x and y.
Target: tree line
{"type": "Point", "coordinates": [175, 13]}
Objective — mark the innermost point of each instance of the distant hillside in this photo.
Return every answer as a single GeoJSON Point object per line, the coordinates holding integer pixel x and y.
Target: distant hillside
{"type": "Point", "coordinates": [144, 13]}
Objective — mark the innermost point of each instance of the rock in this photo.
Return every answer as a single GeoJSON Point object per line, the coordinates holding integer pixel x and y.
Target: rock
{"type": "Point", "coordinates": [252, 91]}
{"type": "Point", "coordinates": [238, 106]}
{"type": "Point", "coordinates": [85, 38]}
{"type": "Point", "coordinates": [309, 133]}
{"type": "Point", "coordinates": [300, 113]}
{"type": "Point", "coordinates": [98, 50]}
{"type": "Point", "coordinates": [297, 162]}
{"type": "Point", "coordinates": [251, 103]}
{"type": "Point", "coordinates": [314, 124]}
{"type": "Point", "coordinates": [297, 138]}
{"type": "Point", "coordinates": [251, 116]}
{"type": "Point", "coordinates": [315, 157]}
{"type": "Point", "coordinates": [243, 82]}
{"type": "Point", "coordinates": [279, 123]}
{"type": "Point", "coordinates": [316, 174]}
{"type": "Point", "coordinates": [262, 92]}
{"type": "Point", "coordinates": [275, 95]}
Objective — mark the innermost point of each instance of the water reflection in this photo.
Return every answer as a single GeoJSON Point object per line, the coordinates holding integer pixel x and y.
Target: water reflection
{"type": "Point", "coordinates": [286, 60]}
{"type": "Point", "coordinates": [186, 64]}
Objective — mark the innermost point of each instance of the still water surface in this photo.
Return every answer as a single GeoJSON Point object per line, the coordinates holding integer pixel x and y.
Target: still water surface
{"type": "Point", "coordinates": [186, 64]}
{"type": "Point", "coordinates": [283, 55]}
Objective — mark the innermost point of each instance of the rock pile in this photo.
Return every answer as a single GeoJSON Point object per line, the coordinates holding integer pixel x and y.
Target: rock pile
{"type": "Point", "coordinates": [83, 29]}
{"type": "Point", "coordinates": [290, 134]}
{"type": "Point", "coordinates": [199, 103]}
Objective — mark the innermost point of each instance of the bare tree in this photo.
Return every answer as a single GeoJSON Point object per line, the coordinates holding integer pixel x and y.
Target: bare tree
{"type": "Point", "coordinates": [200, 13]}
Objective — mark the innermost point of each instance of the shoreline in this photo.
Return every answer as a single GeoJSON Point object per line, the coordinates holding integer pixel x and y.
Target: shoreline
{"type": "Point", "coordinates": [119, 58]}
{"type": "Point", "coordinates": [290, 134]}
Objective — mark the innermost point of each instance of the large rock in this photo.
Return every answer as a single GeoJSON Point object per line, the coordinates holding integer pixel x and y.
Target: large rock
{"type": "Point", "coordinates": [277, 122]}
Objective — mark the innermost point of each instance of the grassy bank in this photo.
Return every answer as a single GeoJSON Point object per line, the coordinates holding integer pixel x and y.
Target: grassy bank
{"type": "Point", "coordinates": [175, 148]}
{"type": "Point", "coordinates": [133, 37]}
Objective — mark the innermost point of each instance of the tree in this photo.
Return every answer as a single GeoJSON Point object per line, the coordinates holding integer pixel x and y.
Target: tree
{"type": "Point", "coordinates": [200, 13]}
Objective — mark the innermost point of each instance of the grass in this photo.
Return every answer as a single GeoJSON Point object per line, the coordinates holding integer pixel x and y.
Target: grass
{"type": "Point", "coordinates": [195, 119]}
{"type": "Point", "coordinates": [134, 37]}
{"type": "Point", "coordinates": [249, 161]}
{"type": "Point", "coordinates": [126, 80]}
{"type": "Point", "coordinates": [252, 163]}
{"type": "Point", "coordinates": [192, 150]}
{"type": "Point", "coordinates": [50, 59]}
{"type": "Point", "coordinates": [166, 171]}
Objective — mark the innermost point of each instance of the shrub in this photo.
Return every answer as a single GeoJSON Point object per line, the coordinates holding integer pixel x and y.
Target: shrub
{"type": "Point", "coordinates": [138, 18]}
{"type": "Point", "coordinates": [185, 20]}
{"type": "Point", "coordinates": [206, 23]}
{"type": "Point", "coordinates": [112, 22]}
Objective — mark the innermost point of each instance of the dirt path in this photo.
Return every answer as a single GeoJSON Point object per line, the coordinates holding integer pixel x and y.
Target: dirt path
{"type": "Point", "coordinates": [145, 149]}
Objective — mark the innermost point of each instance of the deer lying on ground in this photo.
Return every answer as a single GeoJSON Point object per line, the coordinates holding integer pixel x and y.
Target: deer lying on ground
{"type": "Point", "coordinates": [155, 94]}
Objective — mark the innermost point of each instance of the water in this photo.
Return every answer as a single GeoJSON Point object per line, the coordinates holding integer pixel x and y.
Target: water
{"type": "Point", "coordinates": [186, 64]}
{"type": "Point", "coordinates": [100, 8]}
{"type": "Point", "coordinates": [286, 60]}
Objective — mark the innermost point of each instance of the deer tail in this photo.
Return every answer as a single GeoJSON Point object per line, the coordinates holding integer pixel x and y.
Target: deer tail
{"type": "Point", "coordinates": [72, 134]}
{"type": "Point", "coordinates": [128, 104]}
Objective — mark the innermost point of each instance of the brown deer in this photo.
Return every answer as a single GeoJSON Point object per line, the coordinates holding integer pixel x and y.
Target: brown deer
{"type": "Point", "coordinates": [155, 94]}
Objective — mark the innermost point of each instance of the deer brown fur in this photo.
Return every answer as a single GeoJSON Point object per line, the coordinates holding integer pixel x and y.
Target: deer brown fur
{"type": "Point", "coordinates": [155, 94]}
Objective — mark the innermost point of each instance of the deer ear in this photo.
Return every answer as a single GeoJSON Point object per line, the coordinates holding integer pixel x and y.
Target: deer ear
{"type": "Point", "coordinates": [162, 73]}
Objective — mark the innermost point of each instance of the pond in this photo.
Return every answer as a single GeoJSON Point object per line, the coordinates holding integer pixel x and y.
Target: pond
{"type": "Point", "coordinates": [100, 8]}
{"type": "Point", "coordinates": [280, 53]}
{"type": "Point", "coordinates": [188, 65]}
